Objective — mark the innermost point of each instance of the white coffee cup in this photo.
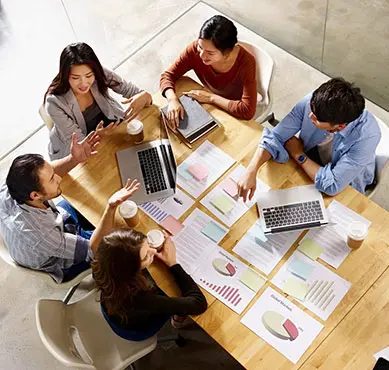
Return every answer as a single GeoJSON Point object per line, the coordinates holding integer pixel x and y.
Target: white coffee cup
{"type": "Point", "coordinates": [129, 211]}
{"type": "Point", "coordinates": [135, 129]}
{"type": "Point", "coordinates": [155, 238]}
{"type": "Point", "coordinates": [356, 234]}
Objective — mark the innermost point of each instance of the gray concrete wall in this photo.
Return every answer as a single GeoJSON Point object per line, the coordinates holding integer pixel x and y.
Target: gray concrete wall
{"type": "Point", "coordinates": [348, 38]}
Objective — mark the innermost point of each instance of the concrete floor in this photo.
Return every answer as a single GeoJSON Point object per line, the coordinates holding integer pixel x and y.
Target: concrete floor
{"type": "Point", "coordinates": [141, 38]}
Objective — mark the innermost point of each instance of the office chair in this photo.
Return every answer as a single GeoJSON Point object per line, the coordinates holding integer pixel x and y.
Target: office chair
{"type": "Point", "coordinates": [45, 117]}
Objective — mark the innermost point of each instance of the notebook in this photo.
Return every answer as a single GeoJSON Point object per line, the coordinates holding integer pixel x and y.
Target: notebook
{"type": "Point", "coordinates": [196, 122]}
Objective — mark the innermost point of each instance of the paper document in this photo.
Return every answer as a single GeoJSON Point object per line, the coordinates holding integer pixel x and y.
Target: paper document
{"type": "Point", "coordinates": [264, 252]}
{"type": "Point", "coordinates": [220, 274]}
{"type": "Point", "coordinates": [222, 203]}
{"type": "Point", "coordinates": [202, 168]}
{"type": "Point", "coordinates": [282, 324]}
{"type": "Point", "coordinates": [333, 239]}
{"type": "Point", "coordinates": [175, 206]}
{"type": "Point", "coordinates": [384, 353]}
{"type": "Point", "coordinates": [325, 288]}
{"type": "Point", "coordinates": [206, 225]}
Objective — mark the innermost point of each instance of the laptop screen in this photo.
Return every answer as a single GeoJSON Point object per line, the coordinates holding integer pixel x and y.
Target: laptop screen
{"type": "Point", "coordinates": [164, 134]}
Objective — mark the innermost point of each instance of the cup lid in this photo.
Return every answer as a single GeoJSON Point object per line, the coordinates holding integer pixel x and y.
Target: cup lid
{"type": "Point", "coordinates": [357, 230]}
{"type": "Point", "coordinates": [128, 208]}
{"type": "Point", "coordinates": [134, 127]}
{"type": "Point", "coordinates": [155, 237]}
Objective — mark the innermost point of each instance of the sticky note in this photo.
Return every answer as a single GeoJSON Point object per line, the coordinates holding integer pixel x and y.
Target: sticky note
{"type": "Point", "coordinates": [295, 288]}
{"type": "Point", "coordinates": [213, 231]}
{"type": "Point", "coordinates": [300, 268]}
{"type": "Point", "coordinates": [223, 203]}
{"type": "Point", "coordinates": [183, 170]}
{"type": "Point", "coordinates": [252, 280]}
{"type": "Point", "coordinates": [230, 187]}
{"type": "Point", "coordinates": [310, 249]}
{"type": "Point", "coordinates": [172, 225]}
{"type": "Point", "coordinates": [198, 171]}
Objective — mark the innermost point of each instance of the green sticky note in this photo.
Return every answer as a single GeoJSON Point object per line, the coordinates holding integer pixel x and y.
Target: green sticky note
{"type": "Point", "coordinates": [183, 171]}
{"type": "Point", "coordinates": [213, 231]}
{"type": "Point", "coordinates": [223, 203]}
{"type": "Point", "coordinates": [295, 288]}
{"type": "Point", "coordinates": [252, 280]}
{"type": "Point", "coordinates": [310, 249]}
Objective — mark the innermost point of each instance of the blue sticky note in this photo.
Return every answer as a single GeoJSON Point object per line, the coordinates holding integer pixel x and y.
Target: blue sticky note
{"type": "Point", "coordinates": [183, 170]}
{"type": "Point", "coordinates": [213, 231]}
{"type": "Point", "coordinates": [300, 268]}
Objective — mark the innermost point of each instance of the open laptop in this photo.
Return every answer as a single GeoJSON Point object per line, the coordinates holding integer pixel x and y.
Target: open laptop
{"type": "Point", "coordinates": [291, 209]}
{"type": "Point", "coordinates": [153, 165]}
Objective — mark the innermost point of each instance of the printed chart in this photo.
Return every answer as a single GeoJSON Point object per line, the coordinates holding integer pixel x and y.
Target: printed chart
{"type": "Point", "coordinates": [282, 324]}
{"type": "Point", "coordinates": [223, 201]}
{"type": "Point", "coordinates": [312, 284]}
{"type": "Point", "coordinates": [264, 252]}
{"type": "Point", "coordinates": [226, 278]}
{"type": "Point", "coordinates": [202, 168]}
{"type": "Point", "coordinates": [174, 206]}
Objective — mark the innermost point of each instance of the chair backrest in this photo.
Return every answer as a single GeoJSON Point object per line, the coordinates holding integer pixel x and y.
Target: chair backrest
{"type": "Point", "coordinates": [264, 70]}
{"type": "Point", "coordinates": [4, 254]}
{"type": "Point", "coordinates": [382, 151]}
{"type": "Point", "coordinates": [78, 335]}
{"type": "Point", "coordinates": [45, 117]}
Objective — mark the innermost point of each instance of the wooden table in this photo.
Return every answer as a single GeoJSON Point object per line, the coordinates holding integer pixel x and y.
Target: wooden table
{"type": "Point", "coordinates": [89, 186]}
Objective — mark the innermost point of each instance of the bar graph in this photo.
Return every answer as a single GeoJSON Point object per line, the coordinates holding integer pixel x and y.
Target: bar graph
{"type": "Point", "coordinates": [155, 212]}
{"type": "Point", "coordinates": [229, 293]}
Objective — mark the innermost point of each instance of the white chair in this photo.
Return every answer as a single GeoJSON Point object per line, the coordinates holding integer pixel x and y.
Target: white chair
{"type": "Point", "coordinates": [71, 284]}
{"type": "Point", "coordinates": [380, 192]}
{"type": "Point", "coordinates": [45, 117]}
{"type": "Point", "coordinates": [265, 65]}
{"type": "Point", "coordinates": [78, 335]}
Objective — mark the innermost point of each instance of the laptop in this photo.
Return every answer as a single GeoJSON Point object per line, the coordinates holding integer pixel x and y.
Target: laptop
{"type": "Point", "coordinates": [153, 165]}
{"type": "Point", "coordinates": [291, 209]}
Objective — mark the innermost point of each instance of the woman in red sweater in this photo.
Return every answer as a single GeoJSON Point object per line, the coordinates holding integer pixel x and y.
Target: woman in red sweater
{"type": "Point", "coordinates": [224, 67]}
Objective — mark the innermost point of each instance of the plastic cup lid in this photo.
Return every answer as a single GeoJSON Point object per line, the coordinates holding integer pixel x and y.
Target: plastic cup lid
{"type": "Point", "coordinates": [134, 127]}
{"type": "Point", "coordinates": [155, 237]}
{"type": "Point", "coordinates": [128, 209]}
{"type": "Point", "coordinates": [357, 230]}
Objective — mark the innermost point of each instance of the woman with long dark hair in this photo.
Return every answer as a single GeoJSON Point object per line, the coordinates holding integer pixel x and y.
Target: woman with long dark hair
{"type": "Point", "coordinates": [78, 99]}
{"type": "Point", "coordinates": [224, 67]}
{"type": "Point", "coordinates": [134, 306]}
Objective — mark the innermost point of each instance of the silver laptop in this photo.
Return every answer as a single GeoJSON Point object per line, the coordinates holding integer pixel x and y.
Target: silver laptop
{"type": "Point", "coordinates": [153, 165]}
{"type": "Point", "coordinates": [291, 209]}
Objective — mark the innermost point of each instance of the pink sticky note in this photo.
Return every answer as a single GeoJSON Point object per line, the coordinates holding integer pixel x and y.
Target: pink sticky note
{"type": "Point", "coordinates": [172, 225]}
{"type": "Point", "coordinates": [230, 187]}
{"type": "Point", "coordinates": [198, 171]}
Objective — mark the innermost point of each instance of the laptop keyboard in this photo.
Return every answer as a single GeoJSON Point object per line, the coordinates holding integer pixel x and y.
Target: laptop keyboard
{"type": "Point", "coordinates": [292, 214]}
{"type": "Point", "coordinates": [152, 172]}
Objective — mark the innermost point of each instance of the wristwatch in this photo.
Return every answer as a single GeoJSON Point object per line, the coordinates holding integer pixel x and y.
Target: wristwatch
{"type": "Point", "coordinates": [302, 158]}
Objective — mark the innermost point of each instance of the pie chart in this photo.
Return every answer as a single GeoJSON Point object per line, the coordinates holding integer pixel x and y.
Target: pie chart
{"type": "Point", "coordinates": [280, 326]}
{"type": "Point", "coordinates": [223, 267]}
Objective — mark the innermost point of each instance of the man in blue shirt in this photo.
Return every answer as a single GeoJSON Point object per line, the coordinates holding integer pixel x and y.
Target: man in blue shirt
{"type": "Point", "coordinates": [337, 141]}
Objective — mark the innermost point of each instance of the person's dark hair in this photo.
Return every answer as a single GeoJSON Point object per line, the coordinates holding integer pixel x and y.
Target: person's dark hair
{"type": "Point", "coordinates": [221, 31]}
{"type": "Point", "coordinates": [73, 55]}
{"type": "Point", "coordinates": [116, 270]}
{"type": "Point", "coordinates": [23, 176]}
{"type": "Point", "coordinates": [337, 101]}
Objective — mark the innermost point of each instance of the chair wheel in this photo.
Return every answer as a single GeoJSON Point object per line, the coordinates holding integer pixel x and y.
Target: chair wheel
{"type": "Point", "coordinates": [181, 341]}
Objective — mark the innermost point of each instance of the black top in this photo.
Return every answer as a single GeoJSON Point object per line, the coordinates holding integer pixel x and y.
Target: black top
{"type": "Point", "coordinates": [93, 116]}
{"type": "Point", "coordinates": [148, 306]}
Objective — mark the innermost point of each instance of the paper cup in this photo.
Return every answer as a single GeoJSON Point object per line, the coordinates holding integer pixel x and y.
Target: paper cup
{"type": "Point", "coordinates": [129, 211]}
{"type": "Point", "coordinates": [155, 238]}
{"type": "Point", "coordinates": [356, 234]}
{"type": "Point", "coordinates": [135, 130]}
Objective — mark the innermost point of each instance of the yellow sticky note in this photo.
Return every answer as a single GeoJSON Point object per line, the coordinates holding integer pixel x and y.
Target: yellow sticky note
{"type": "Point", "coordinates": [223, 203]}
{"type": "Point", "coordinates": [252, 280]}
{"type": "Point", "coordinates": [295, 288]}
{"type": "Point", "coordinates": [310, 249]}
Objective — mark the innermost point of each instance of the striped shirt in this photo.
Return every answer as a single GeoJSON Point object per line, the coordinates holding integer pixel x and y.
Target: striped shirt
{"type": "Point", "coordinates": [35, 237]}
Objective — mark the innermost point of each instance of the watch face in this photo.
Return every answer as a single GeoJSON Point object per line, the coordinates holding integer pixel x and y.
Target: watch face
{"type": "Point", "coordinates": [302, 158]}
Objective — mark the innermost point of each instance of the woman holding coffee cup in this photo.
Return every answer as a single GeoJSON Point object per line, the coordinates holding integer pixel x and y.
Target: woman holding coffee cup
{"type": "Point", "coordinates": [133, 305]}
{"type": "Point", "coordinates": [78, 99]}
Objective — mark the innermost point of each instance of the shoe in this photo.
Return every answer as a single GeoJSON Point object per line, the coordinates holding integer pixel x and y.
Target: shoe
{"type": "Point", "coordinates": [181, 322]}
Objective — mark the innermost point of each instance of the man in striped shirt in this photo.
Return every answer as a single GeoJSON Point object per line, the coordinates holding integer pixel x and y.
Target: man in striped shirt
{"type": "Point", "coordinates": [40, 235]}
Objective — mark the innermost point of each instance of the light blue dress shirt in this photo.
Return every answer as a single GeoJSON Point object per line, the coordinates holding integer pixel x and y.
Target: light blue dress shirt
{"type": "Point", "coordinates": [353, 148]}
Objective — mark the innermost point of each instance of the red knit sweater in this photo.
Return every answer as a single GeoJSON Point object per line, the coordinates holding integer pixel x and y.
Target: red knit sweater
{"type": "Point", "coordinates": [238, 84]}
